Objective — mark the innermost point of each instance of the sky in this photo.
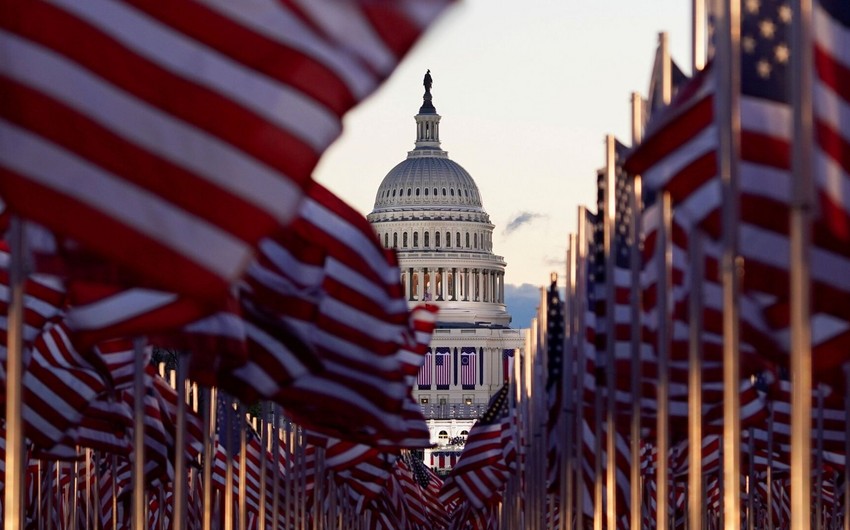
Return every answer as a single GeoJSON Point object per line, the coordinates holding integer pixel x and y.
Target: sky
{"type": "Point", "coordinates": [527, 92]}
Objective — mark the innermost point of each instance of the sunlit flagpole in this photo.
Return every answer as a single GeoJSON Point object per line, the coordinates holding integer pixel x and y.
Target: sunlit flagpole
{"type": "Point", "coordinates": [581, 366]}
{"type": "Point", "coordinates": [243, 466]}
{"type": "Point", "coordinates": [819, 462]}
{"type": "Point", "coordinates": [609, 194]}
{"type": "Point", "coordinates": [211, 397]}
{"type": "Point", "coordinates": [139, 502]}
{"type": "Point", "coordinates": [264, 443]}
{"type": "Point", "coordinates": [180, 474]}
{"type": "Point", "coordinates": [569, 404]}
{"type": "Point", "coordinates": [696, 501]}
{"type": "Point", "coordinates": [698, 35]}
{"type": "Point", "coordinates": [636, 204]}
{"type": "Point", "coordinates": [801, 206]}
{"type": "Point", "coordinates": [846, 447]}
{"type": "Point", "coordinates": [729, 127]}
{"type": "Point", "coordinates": [662, 426]}
{"type": "Point", "coordinates": [13, 512]}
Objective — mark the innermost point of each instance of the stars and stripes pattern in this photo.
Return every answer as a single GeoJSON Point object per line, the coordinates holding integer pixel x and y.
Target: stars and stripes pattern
{"type": "Point", "coordinates": [144, 176]}
{"type": "Point", "coordinates": [442, 367]}
{"type": "Point", "coordinates": [468, 360]}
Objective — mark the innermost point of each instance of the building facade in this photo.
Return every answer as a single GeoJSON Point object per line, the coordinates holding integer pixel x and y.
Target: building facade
{"type": "Point", "coordinates": [428, 208]}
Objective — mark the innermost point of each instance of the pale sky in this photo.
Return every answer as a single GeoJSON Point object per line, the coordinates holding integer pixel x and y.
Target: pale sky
{"type": "Point", "coordinates": [527, 92]}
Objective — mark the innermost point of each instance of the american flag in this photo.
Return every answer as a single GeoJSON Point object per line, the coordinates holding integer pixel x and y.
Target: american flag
{"type": "Point", "coordinates": [487, 458]}
{"type": "Point", "coordinates": [554, 378]}
{"type": "Point", "coordinates": [442, 367]}
{"type": "Point", "coordinates": [467, 367]}
{"type": "Point", "coordinates": [131, 162]}
{"type": "Point", "coordinates": [426, 372]}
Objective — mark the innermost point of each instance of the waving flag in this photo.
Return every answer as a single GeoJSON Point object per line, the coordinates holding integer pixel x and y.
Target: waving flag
{"type": "Point", "coordinates": [172, 137]}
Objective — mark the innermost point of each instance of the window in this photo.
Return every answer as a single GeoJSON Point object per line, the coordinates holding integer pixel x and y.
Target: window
{"type": "Point", "coordinates": [453, 192]}
{"type": "Point", "coordinates": [464, 433]}
{"type": "Point", "coordinates": [404, 240]}
{"type": "Point", "coordinates": [393, 193]}
{"type": "Point", "coordinates": [426, 192]}
{"type": "Point", "coordinates": [423, 401]}
{"type": "Point", "coordinates": [408, 192]}
{"type": "Point", "coordinates": [468, 401]}
{"type": "Point", "coordinates": [436, 239]}
{"type": "Point", "coordinates": [467, 240]}
{"type": "Point", "coordinates": [386, 240]}
{"type": "Point", "coordinates": [427, 240]}
{"type": "Point", "coordinates": [444, 192]}
{"type": "Point", "coordinates": [448, 239]}
{"type": "Point", "coordinates": [417, 192]}
{"type": "Point", "coordinates": [466, 193]}
{"type": "Point", "coordinates": [415, 239]}
{"type": "Point", "coordinates": [443, 435]}
{"type": "Point", "coordinates": [458, 240]}
{"type": "Point", "coordinates": [395, 239]}
{"type": "Point", "coordinates": [475, 240]}
{"type": "Point", "coordinates": [435, 192]}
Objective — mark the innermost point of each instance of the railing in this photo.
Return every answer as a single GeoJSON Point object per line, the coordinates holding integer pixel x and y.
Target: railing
{"type": "Point", "coordinates": [458, 411]}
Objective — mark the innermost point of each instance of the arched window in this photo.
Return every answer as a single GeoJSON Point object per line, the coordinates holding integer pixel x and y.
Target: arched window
{"type": "Point", "coordinates": [448, 239]}
{"type": "Point", "coordinates": [435, 192]}
{"type": "Point", "coordinates": [452, 192]}
{"type": "Point", "coordinates": [417, 192]}
{"type": "Point", "coordinates": [464, 433]}
{"type": "Point", "coordinates": [415, 239]}
{"type": "Point", "coordinates": [458, 240]}
{"type": "Point", "coordinates": [408, 192]}
{"type": "Point", "coordinates": [437, 239]}
{"type": "Point", "coordinates": [427, 239]}
{"type": "Point", "coordinates": [467, 240]}
{"type": "Point", "coordinates": [395, 239]}
{"type": "Point", "coordinates": [426, 192]}
{"type": "Point", "coordinates": [466, 193]}
{"type": "Point", "coordinates": [444, 192]}
{"type": "Point", "coordinates": [475, 240]}
{"type": "Point", "coordinates": [404, 240]}
{"type": "Point", "coordinates": [386, 240]}
{"type": "Point", "coordinates": [443, 435]}
{"type": "Point", "coordinates": [393, 193]}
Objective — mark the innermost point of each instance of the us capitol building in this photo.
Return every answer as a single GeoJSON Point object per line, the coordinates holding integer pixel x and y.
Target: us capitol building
{"type": "Point", "coordinates": [429, 210]}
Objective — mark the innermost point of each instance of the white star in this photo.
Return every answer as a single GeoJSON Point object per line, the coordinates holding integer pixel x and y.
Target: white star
{"type": "Point", "coordinates": [763, 68]}
{"type": "Point", "coordinates": [781, 53]}
{"type": "Point", "coordinates": [767, 29]}
{"type": "Point", "coordinates": [785, 14]}
{"type": "Point", "coordinates": [752, 6]}
{"type": "Point", "coordinates": [748, 44]}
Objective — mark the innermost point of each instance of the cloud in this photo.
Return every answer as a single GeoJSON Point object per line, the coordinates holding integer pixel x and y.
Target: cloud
{"type": "Point", "coordinates": [523, 218]}
{"type": "Point", "coordinates": [522, 301]}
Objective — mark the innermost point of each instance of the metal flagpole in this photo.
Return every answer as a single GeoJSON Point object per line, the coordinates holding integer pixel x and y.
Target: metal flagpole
{"type": "Point", "coordinates": [770, 469]}
{"type": "Point", "coordinates": [819, 464]}
{"type": "Point", "coordinates": [139, 437]}
{"type": "Point", "coordinates": [695, 310]}
{"type": "Point", "coordinates": [243, 466]}
{"type": "Point", "coordinates": [846, 447]}
{"type": "Point", "coordinates": [13, 512]}
{"type": "Point", "coordinates": [290, 470]}
{"type": "Point", "coordinates": [581, 342]}
{"type": "Point", "coordinates": [209, 418]}
{"type": "Point", "coordinates": [264, 443]}
{"type": "Point", "coordinates": [729, 127]}
{"type": "Point", "coordinates": [801, 206]}
{"type": "Point", "coordinates": [635, 308]}
{"type": "Point", "coordinates": [609, 192]}
{"type": "Point", "coordinates": [275, 425]}
{"type": "Point", "coordinates": [568, 373]}
{"type": "Point", "coordinates": [179, 493]}
{"type": "Point", "coordinates": [751, 484]}
{"type": "Point", "coordinates": [228, 468]}
{"type": "Point", "coordinates": [48, 523]}
{"type": "Point", "coordinates": [698, 35]}
{"type": "Point", "coordinates": [665, 263]}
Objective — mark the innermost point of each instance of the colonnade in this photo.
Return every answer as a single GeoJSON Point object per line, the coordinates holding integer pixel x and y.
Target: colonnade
{"type": "Point", "coordinates": [454, 284]}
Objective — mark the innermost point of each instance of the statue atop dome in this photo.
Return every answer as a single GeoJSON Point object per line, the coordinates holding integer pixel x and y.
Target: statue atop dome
{"type": "Point", "coordinates": [427, 105]}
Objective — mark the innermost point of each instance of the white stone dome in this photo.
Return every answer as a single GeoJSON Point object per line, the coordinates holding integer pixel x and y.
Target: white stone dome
{"type": "Point", "coordinates": [428, 178]}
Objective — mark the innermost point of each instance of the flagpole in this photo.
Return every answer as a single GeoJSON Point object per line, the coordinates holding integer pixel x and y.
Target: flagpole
{"type": "Point", "coordinates": [211, 397]}
{"type": "Point", "coordinates": [13, 513]}
{"type": "Point", "coordinates": [846, 447]}
{"type": "Point", "coordinates": [228, 473]}
{"type": "Point", "coordinates": [139, 437]}
{"type": "Point", "coordinates": [636, 203]}
{"type": "Point", "coordinates": [610, 333]}
{"type": "Point", "coordinates": [264, 443]}
{"type": "Point", "coordinates": [581, 307]}
{"type": "Point", "coordinates": [770, 468]}
{"type": "Point", "coordinates": [819, 462]}
{"type": "Point", "coordinates": [180, 474]}
{"type": "Point", "coordinates": [801, 205]}
{"type": "Point", "coordinates": [568, 372]}
{"type": "Point", "coordinates": [665, 262]}
{"type": "Point", "coordinates": [698, 35]}
{"type": "Point", "coordinates": [729, 127]}
{"type": "Point", "coordinates": [695, 313]}
{"type": "Point", "coordinates": [243, 466]}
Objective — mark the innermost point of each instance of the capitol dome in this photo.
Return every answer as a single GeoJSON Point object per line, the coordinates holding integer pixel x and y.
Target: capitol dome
{"type": "Point", "coordinates": [429, 209]}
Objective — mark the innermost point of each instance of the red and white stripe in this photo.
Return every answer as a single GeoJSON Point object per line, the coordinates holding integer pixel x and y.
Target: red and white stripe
{"type": "Point", "coordinates": [84, 131]}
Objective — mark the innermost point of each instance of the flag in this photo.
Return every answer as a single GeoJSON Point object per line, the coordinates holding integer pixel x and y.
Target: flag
{"type": "Point", "coordinates": [191, 133]}
{"type": "Point", "coordinates": [426, 372]}
{"type": "Point", "coordinates": [485, 464]}
{"type": "Point", "coordinates": [554, 379]}
{"type": "Point", "coordinates": [467, 368]}
{"type": "Point", "coordinates": [442, 367]}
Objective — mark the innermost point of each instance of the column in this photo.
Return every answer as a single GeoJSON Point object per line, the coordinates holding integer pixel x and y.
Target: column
{"type": "Point", "coordinates": [466, 284]}
{"type": "Point", "coordinates": [441, 292]}
{"type": "Point", "coordinates": [454, 283]}
{"type": "Point", "coordinates": [480, 285]}
{"type": "Point", "coordinates": [410, 283]}
{"type": "Point", "coordinates": [420, 288]}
